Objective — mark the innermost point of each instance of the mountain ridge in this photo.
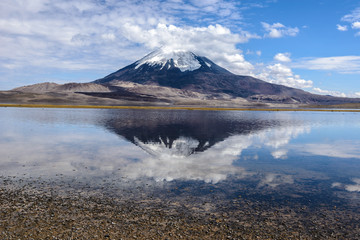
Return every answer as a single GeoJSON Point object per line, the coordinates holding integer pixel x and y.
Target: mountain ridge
{"type": "Point", "coordinates": [211, 79]}
{"type": "Point", "coordinates": [183, 78]}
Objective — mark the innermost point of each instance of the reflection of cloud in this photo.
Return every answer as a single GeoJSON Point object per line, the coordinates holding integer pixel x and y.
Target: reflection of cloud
{"type": "Point", "coordinates": [67, 153]}
{"type": "Point", "coordinates": [280, 154]}
{"type": "Point", "coordinates": [181, 147]}
{"type": "Point", "coordinates": [280, 137]}
{"type": "Point", "coordinates": [354, 187]}
{"type": "Point", "coordinates": [212, 165]}
{"type": "Point", "coordinates": [81, 154]}
{"type": "Point", "coordinates": [90, 151]}
{"type": "Point", "coordinates": [341, 149]}
{"type": "Point", "coordinates": [336, 185]}
{"type": "Point", "coordinates": [348, 187]}
{"type": "Point", "coordinates": [274, 180]}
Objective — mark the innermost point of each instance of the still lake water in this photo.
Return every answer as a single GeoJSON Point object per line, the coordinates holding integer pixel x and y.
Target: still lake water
{"type": "Point", "coordinates": [209, 159]}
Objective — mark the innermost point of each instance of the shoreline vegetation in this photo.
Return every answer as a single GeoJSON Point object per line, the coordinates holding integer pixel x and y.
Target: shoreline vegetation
{"type": "Point", "coordinates": [313, 108]}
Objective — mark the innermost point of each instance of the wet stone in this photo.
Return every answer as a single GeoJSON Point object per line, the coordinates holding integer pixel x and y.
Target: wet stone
{"type": "Point", "coordinates": [30, 212]}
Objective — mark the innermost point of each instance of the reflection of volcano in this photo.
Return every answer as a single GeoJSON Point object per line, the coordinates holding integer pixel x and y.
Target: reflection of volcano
{"type": "Point", "coordinates": [198, 145]}
{"type": "Point", "coordinates": [179, 134]}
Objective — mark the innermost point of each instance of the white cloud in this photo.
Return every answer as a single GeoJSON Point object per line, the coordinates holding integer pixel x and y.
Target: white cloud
{"type": "Point", "coordinates": [249, 52]}
{"type": "Point", "coordinates": [357, 94]}
{"type": "Point", "coordinates": [354, 19]}
{"type": "Point", "coordinates": [278, 30]}
{"type": "Point", "coordinates": [204, 3]}
{"type": "Point", "coordinates": [355, 25]}
{"type": "Point", "coordinates": [282, 57]}
{"type": "Point", "coordinates": [353, 16]}
{"type": "Point", "coordinates": [81, 34]}
{"type": "Point", "coordinates": [341, 27]}
{"type": "Point", "coordinates": [327, 92]}
{"type": "Point", "coordinates": [281, 74]}
{"type": "Point", "coordinates": [54, 32]}
{"type": "Point", "coordinates": [341, 64]}
{"type": "Point", "coordinates": [199, 40]}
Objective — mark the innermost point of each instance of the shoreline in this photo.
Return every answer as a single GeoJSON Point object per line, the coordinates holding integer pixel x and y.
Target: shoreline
{"type": "Point", "coordinates": [178, 108]}
{"type": "Point", "coordinates": [38, 209]}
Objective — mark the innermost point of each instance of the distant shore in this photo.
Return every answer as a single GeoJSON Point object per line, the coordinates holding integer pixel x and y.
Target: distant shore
{"type": "Point", "coordinates": [317, 109]}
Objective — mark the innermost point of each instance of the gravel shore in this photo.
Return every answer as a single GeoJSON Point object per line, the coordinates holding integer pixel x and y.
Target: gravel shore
{"type": "Point", "coordinates": [40, 209]}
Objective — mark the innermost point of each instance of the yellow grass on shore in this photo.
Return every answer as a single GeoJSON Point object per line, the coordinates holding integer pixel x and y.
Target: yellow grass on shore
{"type": "Point", "coordinates": [177, 108]}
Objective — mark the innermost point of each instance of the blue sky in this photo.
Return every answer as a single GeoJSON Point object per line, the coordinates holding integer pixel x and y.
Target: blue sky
{"type": "Point", "coordinates": [313, 45]}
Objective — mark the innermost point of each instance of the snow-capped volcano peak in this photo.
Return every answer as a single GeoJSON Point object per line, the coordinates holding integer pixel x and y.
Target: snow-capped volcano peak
{"type": "Point", "coordinates": [167, 58]}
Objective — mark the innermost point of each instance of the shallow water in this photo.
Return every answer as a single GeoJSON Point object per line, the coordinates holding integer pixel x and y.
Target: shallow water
{"type": "Point", "coordinates": [207, 161]}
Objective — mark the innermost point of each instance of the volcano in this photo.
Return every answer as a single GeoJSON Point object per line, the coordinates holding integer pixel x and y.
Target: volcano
{"type": "Point", "coordinates": [185, 70]}
{"type": "Point", "coordinates": [178, 77]}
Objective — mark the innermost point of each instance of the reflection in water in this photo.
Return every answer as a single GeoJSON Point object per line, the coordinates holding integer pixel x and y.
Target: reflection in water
{"type": "Point", "coordinates": [353, 187]}
{"type": "Point", "coordinates": [199, 146]}
{"type": "Point", "coordinates": [181, 132]}
{"type": "Point", "coordinates": [337, 149]}
{"type": "Point", "coordinates": [209, 146]}
{"type": "Point", "coordinates": [235, 174]}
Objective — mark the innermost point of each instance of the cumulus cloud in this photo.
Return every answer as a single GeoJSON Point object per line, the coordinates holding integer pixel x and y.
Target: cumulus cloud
{"type": "Point", "coordinates": [85, 33]}
{"type": "Point", "coordinates": [79, 35]}
{"type": "Point", "coordinates": [280, 74]}
{"type": "Point", "coordinates": [199, 40]}
{"type": "Point", "coordinates": [355, 25]}
{"type": "Point", "coordinates": [342, 28]}
{"type": "Point", "coordinates": [90, 29]}
{"type": "Point", "coordinates": [282, 57]}
{"type": "Point", "coordinates": [354, 19]}
{"type": "Point", "coordinates": [353, 16]}
{"type": "Point", "coordinates": [278, 30]}
{"type": "Point", "coordinates": [327, 92]}
{"type": "Point", "coordinates": [341, 64]}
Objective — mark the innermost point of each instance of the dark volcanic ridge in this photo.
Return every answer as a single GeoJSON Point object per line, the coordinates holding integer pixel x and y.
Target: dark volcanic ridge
{"type": "Point", "coordinates": [181, 76]}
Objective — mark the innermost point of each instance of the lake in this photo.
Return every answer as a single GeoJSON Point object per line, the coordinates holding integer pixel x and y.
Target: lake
{"type": "Point", "coordinates": [114, 173]}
